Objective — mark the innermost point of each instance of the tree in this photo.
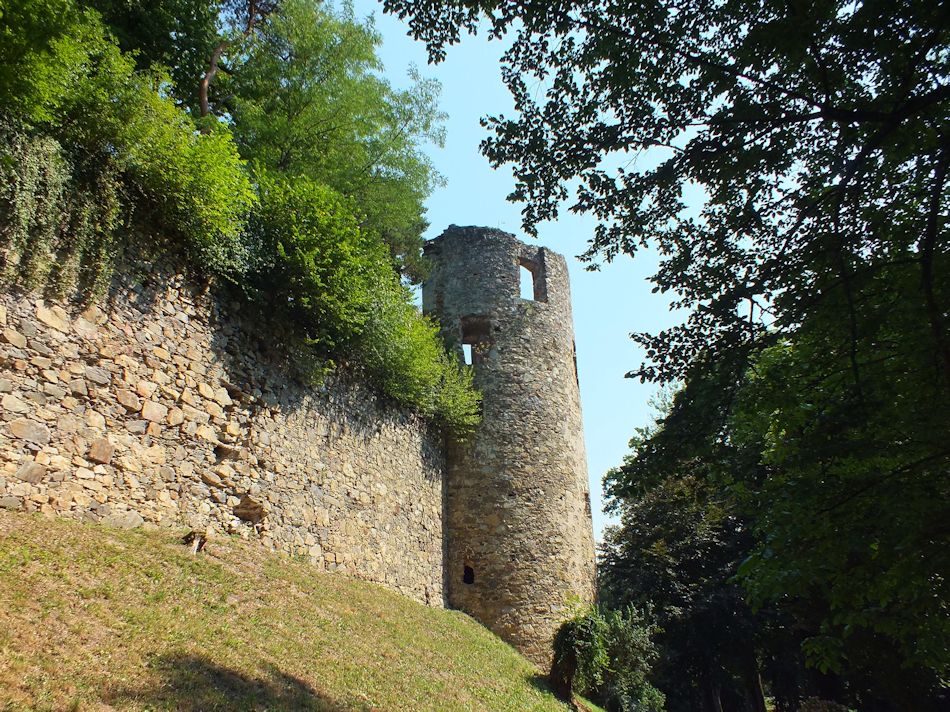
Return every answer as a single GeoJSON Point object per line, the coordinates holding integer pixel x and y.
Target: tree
{"type": "Point", "coordinates": [676, 553]}
{"type": "Point", "coordinates": [819, 134]}
{"type": "Point", "coordinates": [99, 148]}
{"type": "Point", "coordinates": [308, 100]}
{"type": "Point", "coordinates": [179, 35]}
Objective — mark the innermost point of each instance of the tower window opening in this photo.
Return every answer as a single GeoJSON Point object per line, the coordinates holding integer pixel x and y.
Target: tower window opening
{"type": "Point", "coordinates": [532, 280]}
{"type": "Point", "coordinates": [527, 283]}
{"type": "Point", "coordinates": [476, 338]}
{"type": "Point", "coordinates": [468, 575]}
{"type": "Point", "coordinates": [577, 379]}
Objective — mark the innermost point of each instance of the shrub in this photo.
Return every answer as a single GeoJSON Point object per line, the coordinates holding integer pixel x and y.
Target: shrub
{"type": "Point", "coordinates": [57, 224]}
{"type": "Point", "coordinates": [312, 261]}
{"type": "Point", "coordinates": [336, 284]}
{"type": "Point", "coordinates": [196, 182]}
{"type": "Point", "coordinates": [611, 653]}
{"type": "Point", "coordinates": [73, 84]}
{"type": "Point", "coordinates": [403, 352]}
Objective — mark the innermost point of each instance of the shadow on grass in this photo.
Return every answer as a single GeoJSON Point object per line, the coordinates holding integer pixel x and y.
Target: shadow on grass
{"type": "Point", "coordinates": [539, 682]}
{"type": "Point", "coordinates": [542, 683]}
{"type": "Point", "coordinates": [192, 683]}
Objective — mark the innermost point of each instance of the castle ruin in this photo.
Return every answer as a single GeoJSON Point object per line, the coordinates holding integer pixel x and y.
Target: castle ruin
{"type": "Point", "coordinates": [163, 405]}
{"type": "Point", "coordinates": [517, 516]}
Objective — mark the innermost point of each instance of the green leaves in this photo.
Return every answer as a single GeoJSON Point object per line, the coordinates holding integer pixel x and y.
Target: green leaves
{"type": "Point", "coordinates": [614, 652]}
{"type": "Point", "coordinates": [101, 135]}
{"type": "Point", "coordinates": [816, 350]}
{"type": "Point", "coordinates": [308, 100]}
{"type": "Point", "coordinates": [321, 269]}
{"type": "Point", "coordinates": [83, 91]}
{"type": "Point", "coordinates": [335, 282]}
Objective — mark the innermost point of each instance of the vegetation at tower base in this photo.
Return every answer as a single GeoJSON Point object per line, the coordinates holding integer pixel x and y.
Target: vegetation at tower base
{"type": "Point", "coordinates": [813, 272]}
{"type": "Point", "coordinates": [108, 138]}
{"type": "Point", "coordinates": [606, 655]}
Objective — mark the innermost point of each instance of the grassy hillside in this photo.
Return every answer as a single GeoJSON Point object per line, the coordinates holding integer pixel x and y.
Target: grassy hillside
{"type": "Point", "coordinates": [94, 618]}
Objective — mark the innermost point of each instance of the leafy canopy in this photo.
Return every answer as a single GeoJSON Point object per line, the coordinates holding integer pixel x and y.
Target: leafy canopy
{"type": "Point", "coordinates": [813, 273]}
{"type": "Point", "coordinates": [308, 100]}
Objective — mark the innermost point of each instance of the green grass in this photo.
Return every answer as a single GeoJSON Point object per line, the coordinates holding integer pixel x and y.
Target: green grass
{"type": "Point", "coordinates": [100, 619]}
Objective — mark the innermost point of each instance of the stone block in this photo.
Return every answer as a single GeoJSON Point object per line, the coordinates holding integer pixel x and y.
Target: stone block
{"type": "Point", "coordinates": [54, 317]}
{"type": "Point", "coordinates": [14, 405]}
{"type": "Point", "coordinates": [97, 375]}
{"type": "Point", "coordinates": [146, 389]}
{"type": "Point", "coordinates": [211, 479]}
{"type": "Point", "coordinates": [30, 430]}
{"type": "Point", "coordinates": [175, 417]}
{"type": "Point", "coordinates": [95, 419]}
{"type": "Point", "coordinates": [128, 399]}
{"type": "Point", "coordinates": [31, 472]}
{"type": "Point", "coordinates": [123, 520]}
{"type": "Point", "coordinates": [14, 338]}
{"type": "Point", "coordinates": [101, 451]}
{"type": "Point", "coordinates": [154, 412]}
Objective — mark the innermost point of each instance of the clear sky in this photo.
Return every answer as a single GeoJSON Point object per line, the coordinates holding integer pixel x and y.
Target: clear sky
{"type": "Point", "coordinates": [608, 304]}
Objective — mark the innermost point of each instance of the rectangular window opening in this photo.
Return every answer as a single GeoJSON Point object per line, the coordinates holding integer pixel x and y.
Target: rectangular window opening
{"type": "Point", "coordinates": [476, 339]}
{"type": "Point", "coordinates": [527, 283]}
{"type": "Point", "coordinates": [532, 280]}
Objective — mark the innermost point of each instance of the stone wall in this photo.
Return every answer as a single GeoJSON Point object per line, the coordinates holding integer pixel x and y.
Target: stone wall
{"type": "Point", "coordinates": [164, 405]}
{"type": "Point", "coordinates": [520, 547]}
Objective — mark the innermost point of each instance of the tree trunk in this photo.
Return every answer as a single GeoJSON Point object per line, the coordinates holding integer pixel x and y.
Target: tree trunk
{"type": "Point", "coordinates": [203, 103]}
{"type": "Point", "coordinates": [753, 683]}
{"type": "Point", "coordinates": [713, 700]}
{"type": "Point", "coordinates": [254, 13]}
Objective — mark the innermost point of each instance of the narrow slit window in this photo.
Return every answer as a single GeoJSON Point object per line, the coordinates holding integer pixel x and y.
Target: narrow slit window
{"type": "Point", "coordinates": [467, 354]}
{"type": "Point", "coordinates": [468, 575]}
{"type": "Point", "coordinates": [577, 379]}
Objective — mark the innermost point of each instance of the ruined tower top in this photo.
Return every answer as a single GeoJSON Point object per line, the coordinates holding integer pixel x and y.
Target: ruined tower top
{"type": "Point", "coordinates": [520, 548]}
{"type": "Point", "coordinates": [486, 261]}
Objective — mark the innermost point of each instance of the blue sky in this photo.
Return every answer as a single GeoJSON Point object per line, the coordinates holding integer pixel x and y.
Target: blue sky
{"type": "Point", "coordinates": [608, 304]}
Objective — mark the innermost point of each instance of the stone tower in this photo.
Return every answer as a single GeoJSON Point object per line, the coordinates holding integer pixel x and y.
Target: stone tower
{"type": "Point", "coordinates": [519, 540]}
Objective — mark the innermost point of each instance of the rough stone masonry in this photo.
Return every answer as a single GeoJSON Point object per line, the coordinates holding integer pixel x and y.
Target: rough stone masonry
{"type": "Point", "coordinates": [164, 405]}
{"type": "Point", "coordinates": [518, 519]}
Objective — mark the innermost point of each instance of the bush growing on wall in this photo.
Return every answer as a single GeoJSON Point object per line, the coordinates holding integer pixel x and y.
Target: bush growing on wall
{"type": "Point", "coordinates": [107, 119]}
{"type": "Point", "coordinates": [336, 284]}
{"type": "Point", "coordinates": [57, 225]}
{"type": "Point", "coordinates": [95, 148]}
{"type": "Point", "coordinates": [403, 352]}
